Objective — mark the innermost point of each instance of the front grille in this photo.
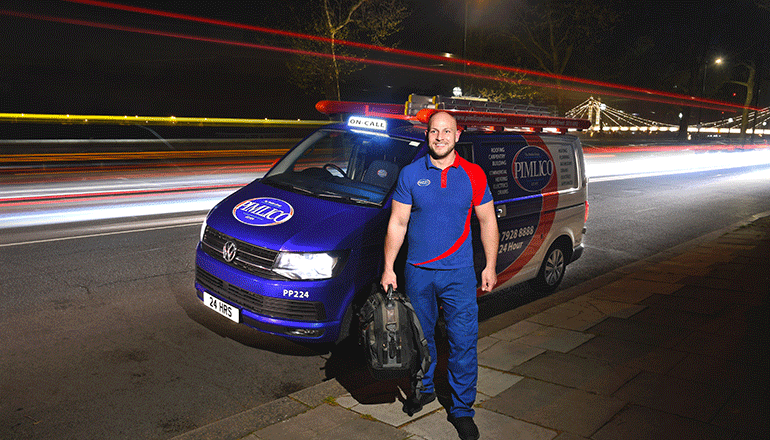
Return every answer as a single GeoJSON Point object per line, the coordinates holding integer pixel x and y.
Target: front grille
{"type": "Point", "coordinates": [311, 311]}
{"type": "Point", "coordinates": [255, 260]}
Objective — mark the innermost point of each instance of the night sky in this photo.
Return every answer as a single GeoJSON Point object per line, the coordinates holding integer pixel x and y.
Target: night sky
{"type": "Point", "coordinates": [49, 67]}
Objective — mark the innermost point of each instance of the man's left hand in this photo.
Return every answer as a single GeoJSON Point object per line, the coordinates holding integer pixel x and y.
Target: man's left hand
{"type": "Point", "coordinates": [488, 279]}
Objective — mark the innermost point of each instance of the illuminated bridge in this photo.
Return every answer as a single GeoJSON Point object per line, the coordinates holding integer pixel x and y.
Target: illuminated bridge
{"type": "Point", "coordinates": [608, 119]}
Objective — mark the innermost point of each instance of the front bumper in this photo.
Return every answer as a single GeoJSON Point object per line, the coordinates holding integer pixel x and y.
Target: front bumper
{"type": "Point", "coordinates": [265, 306]}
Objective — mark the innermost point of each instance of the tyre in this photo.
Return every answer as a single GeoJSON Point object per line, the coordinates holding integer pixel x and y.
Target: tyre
{"type": "Point", "coordinates": [552, 270]}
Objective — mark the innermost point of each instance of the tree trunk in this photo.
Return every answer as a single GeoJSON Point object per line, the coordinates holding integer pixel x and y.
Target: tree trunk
{"type": "Point", "coordinates": [684, 123]}
{"type": "Point", "coordinates": [747, 103]}
{"type": "Point", "coordinates": [336, 71]}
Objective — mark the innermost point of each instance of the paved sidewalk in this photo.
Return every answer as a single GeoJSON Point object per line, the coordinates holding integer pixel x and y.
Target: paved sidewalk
{"type": "Point", "coordinates": [672, 347]}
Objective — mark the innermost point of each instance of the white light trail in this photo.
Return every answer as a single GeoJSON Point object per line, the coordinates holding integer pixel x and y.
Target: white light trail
{"type": "Point", "coordinates": [600, 168]}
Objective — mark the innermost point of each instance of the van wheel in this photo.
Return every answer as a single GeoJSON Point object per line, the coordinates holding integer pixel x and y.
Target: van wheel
{"type": "Point", "coordinates": [552, 270]}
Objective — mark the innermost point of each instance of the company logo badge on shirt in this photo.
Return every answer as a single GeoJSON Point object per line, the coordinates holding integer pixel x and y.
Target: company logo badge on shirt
{"type": "Point", "coordinates": [423, 182]}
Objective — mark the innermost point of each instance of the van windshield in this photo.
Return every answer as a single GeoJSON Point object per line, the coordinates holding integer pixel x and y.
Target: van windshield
{"type": "Point", "coordinates": [350, 167]}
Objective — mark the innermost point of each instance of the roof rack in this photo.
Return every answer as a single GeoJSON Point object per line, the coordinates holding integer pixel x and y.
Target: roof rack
{"type": "Point", "coordinates": [468, 111]}
{"type": "Point", "coordinates": [502, 121]}
{"type": "Point", "coordinates": [470, 104]}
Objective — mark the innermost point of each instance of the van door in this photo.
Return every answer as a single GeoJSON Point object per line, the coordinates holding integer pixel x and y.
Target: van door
{"type": "Point", "coordinates": [529, 181]}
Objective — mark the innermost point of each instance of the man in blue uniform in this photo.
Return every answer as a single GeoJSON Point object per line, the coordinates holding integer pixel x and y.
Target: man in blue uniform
{"type": "Point", "coordinates": [432, 209]}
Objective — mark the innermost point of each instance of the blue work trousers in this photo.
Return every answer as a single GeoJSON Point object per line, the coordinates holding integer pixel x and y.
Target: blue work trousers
{"type": "Point", "coordinates": [455, 291]}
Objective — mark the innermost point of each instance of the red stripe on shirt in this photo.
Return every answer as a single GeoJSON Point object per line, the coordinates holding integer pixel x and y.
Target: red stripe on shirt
{"type": "Point", "coordinates": [457, 244]}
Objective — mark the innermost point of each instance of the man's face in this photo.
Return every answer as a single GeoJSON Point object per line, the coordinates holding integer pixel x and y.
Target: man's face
{"type": "Point", "coordinates": [442, 135]}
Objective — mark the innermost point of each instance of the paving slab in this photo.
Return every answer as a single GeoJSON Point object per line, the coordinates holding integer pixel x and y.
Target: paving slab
{"type": "Point", "coordinates": [555, 339]}
{"type": "Point", "coordinates": [701, 257]}
{"type": "Point", "coordinates": [609, 308]}
{"type": "Point", "coordinates": [611, 293]}
{"type": "Point", "coordinates": [727, 372]}
{"type": "Point", "coordinates": [318, 394]}
{"type": "Point", "coordinates": [328, 422]}
{"type": "Point", "coordinates": [686, 398]}
{"type": "Point", "coordinates": [715, 284]}
{"type": "Point", "coordinates": [486, 342]}
{"type": "Point", "coordinates": [733, 321]}
{"type": "Point", "coordinates": [630, 285]}
{"type": "Point", "coordinates": [748, 290]}
{"type": "Point", "coordinates": [391, 413]}
{"type": "Point", "coordinates": [491, 425]}
{"type": "Point", "coordinates": [518, 330]}
{"type": "Point", "coordinates": [592, 375]}
{"type": "Point", "coordinates": [710, 344]}
{"type": "Point", "coordinates": [631, 354]}
{"type": "Point", "coordinates": [659, 334]}
{"type": "Point", "coordinates": [555, 407]}
{"type": "Point", "coordinates": [677, 268]}
{"type": "Point", "coordinates": [747, 411]}
{"type": "Point", "coordinates": [639, 423]}
{"type": "Point", "coordinates": [669, 317]}
{"type": "Point", "coordinates": [704, 306]}
{"type": "Point", "coordinates": [577, 317]}
{"type": "Point", "coordinates": [656, 274]}
{"type": "Point", "coordinates": [505, 355]}
{"type": "Point", "coordinates": [569, 436]}
{"type": "Point", "coordinates": [492, 382]}
{"type": "Point", "coordinates": [242, 424]}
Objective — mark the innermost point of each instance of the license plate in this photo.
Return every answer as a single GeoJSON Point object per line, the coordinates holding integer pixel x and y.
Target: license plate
{"type": "Point", "coordinates": [221, 307]}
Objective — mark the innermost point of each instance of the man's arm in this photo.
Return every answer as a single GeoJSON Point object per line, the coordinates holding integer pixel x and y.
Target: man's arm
{"type": "Point", "coordinates": [394, 239]}
{"type": "Point", "coordinates": [490, 240]}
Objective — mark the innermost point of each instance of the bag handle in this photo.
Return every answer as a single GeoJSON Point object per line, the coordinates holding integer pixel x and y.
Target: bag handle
{"type": "Point", "coordinates": [390, 295]}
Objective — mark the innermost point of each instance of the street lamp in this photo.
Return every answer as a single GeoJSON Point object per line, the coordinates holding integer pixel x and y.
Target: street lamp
{"type": "Point", "coordinates": [717, 61]}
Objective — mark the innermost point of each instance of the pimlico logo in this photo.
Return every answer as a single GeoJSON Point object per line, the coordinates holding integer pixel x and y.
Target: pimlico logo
{"type": "Point", "coordinates": [532, 168]}
{"type": "Point", "coordinates": [263, 211]}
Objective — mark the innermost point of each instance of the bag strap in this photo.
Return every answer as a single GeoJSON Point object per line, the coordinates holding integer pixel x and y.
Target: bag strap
{"type": "Point", "coordinates": [422, 348]}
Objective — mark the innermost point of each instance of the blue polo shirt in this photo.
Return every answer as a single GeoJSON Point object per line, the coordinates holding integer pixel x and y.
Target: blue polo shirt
{"type": "Point", "coordinates": [439, 230]}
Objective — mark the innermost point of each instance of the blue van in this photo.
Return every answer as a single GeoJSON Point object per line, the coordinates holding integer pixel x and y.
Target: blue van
{"type": "Point", "coordinates": [291, 253]}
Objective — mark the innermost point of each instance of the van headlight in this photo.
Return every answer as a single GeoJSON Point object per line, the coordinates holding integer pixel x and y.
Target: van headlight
{"type": "Point", "coordinates": [203, 229]}
{"type": "Point", "coordinates": [308, 265]}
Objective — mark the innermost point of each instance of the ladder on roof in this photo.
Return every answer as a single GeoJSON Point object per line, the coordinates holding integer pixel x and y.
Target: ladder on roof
{"type": "Point", "coordinates": [470, 104]}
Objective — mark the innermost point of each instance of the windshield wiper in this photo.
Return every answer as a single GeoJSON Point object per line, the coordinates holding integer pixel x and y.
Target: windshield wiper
{"type": "Point", "coordinates": [363, 201]}
{"type": "Point", "coordinates": [349, 199]}
{"type": "Point", "coordinates": [286, 185]}
{"type": "Point", "coordinates": [320, 194]}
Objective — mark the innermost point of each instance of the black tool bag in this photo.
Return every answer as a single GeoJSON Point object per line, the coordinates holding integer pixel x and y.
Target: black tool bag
{"type": "Point", "coordinates": [393, 338]}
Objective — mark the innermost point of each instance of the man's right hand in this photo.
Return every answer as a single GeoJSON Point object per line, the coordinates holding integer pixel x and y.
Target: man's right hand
{"type": "Point", "coordinates": [388, 278]}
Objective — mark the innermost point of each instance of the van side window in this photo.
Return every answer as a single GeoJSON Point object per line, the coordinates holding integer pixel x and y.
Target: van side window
{"type": "Point", "coordinates": [465, 150]}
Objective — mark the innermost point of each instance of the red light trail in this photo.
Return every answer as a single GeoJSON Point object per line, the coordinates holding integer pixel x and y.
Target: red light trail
{"type": "Point", "coordinates": [688, 100]}
{"type": "Point", "coordinates": [651, 96]}
{"type": "Point", "coordinates": [107, 195]}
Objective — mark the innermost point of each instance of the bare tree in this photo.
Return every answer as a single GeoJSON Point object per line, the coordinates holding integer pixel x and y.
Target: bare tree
{"type": "Point", "coordinates": [549, 33]}
{"type": "Point", "coordinates": [371, 21]}
{"type": "Point", "coordinates": [510, 86]}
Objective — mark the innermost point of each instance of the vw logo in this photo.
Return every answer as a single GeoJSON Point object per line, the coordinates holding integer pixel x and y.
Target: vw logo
{"type": "Point", "coordinates": [228, 251]}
